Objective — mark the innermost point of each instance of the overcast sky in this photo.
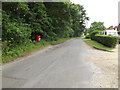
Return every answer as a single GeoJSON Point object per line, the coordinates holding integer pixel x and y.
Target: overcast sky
{"type": "Point", "coordinates": [101, 10]}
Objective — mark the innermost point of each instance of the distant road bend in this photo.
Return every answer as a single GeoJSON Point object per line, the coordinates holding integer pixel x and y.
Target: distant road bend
{"type": "Point", "coordinates": [61, 66]}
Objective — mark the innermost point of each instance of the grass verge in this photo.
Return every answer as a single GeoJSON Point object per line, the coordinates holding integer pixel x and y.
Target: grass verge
{"type": "Point", "coordinates": [23, 50]}
{"type": "Point", "coordinates": [96, 44]}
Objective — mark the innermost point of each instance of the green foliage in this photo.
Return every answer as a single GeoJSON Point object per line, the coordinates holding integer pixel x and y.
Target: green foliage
{"type": "Point", "coordinates": [109, 41]}
{"type": "Point", "coordinates": [21, 50]}
{"type": "Point", "coordinates": [87, 36]}
{"type": "Point", "coordinates": [0, 16]}
{"type": "Point", "coordinates": [93, 33]}
{"type": "Point", "coordinates": [16, 51]}
{"type": "Point", "coordinates": [68, 32]}
{"type": "Point", "coordinates": [22, 21]}
{"type": "Point", "coordinates": [53, 19]}
{"type": "Point", "coordinates": [97, 26]}
{"type": "Point", "coordinates": [97, 45]}
{"type": "Point", "coordinates": [119, 32]}
{"type": "Point", "coordinates": [78, 18]}
{"type": "Point", "coordinates": [16, 32]}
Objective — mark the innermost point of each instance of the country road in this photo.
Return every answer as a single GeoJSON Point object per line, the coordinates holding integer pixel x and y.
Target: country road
{"type": "Point", "coordinates": [59, 66]}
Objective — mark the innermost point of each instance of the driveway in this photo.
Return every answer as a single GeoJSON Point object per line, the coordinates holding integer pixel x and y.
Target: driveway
{"type": "Point", "coordinates": [59, 66]}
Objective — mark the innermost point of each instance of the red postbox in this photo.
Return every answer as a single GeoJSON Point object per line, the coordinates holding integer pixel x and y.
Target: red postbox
{"type": "Point", "coordinates": [38, 38]}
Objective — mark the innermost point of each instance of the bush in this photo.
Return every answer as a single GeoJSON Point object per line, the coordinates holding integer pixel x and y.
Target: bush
{"type": "Point", "coordinates": [16, 33]}
{"type": "Point", "coordinates": [87, 36]}
{"type": "Point", "coordinates": [119, 32]}
{"type": "Point", "coordinates": [93, 33]}
{"type": "Point", "coordinates": [106, 40]}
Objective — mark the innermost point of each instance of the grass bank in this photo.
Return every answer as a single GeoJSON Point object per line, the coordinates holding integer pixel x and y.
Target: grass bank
{"type": "Point", "coordinates": [22, 50]}
{"type": "Point", "coordinates": [96, 44]}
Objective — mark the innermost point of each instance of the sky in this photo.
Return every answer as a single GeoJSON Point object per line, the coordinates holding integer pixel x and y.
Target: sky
{"type": "Point", "coordinates": [100, 10]}
{"type": "Point", "coordinates": [119, 12]}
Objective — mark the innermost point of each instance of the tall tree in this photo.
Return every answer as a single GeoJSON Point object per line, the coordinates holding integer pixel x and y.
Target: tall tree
{"type": "Point", "coordinates": [24, 20]}
{"type": "Point", "coordinates": [78, 18]}
{"type": "Point", "coordinates": [97, 26]}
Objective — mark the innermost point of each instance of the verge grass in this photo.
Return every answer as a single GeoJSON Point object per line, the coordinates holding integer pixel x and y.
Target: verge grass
{"type": "Point", "coordinates": [23, 50]}
{"type": "Point", "coordinates": [96, 44]}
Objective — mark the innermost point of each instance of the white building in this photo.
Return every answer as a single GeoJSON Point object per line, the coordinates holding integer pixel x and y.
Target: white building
{"type": "Point", "coordinates": [109, 32]}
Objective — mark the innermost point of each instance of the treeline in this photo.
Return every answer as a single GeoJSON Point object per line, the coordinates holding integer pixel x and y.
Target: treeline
{"type": "Point", "coordinates": [22, 21]}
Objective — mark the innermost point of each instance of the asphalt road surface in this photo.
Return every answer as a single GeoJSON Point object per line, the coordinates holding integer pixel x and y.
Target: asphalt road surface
{"type": "Point", "coordinates": [60, 66]}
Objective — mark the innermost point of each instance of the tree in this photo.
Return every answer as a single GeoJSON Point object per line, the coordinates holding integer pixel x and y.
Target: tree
{"type": "Point", "coordinates": [14, 28]}
{"type": "Point", "coordinates": [59, 13]}
{"type": "Point", "coordinates": [97, 26]}
{"type": "Point", "coordinates": [22, 21]}
{"type": "Point", "coordinates": [78, 18]}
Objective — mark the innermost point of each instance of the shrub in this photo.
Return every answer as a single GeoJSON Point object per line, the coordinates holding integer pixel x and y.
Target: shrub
{"type": "Point", "coordinates": [87, 36]}
{"type": "Point", "coordinates": [93, 33]}
{"type": "Point", "coordinates": [119, 32]}
{"type": "Point", "coordinates": [14, 32]}
{"type": "Point", "coordinates": [106, 40]}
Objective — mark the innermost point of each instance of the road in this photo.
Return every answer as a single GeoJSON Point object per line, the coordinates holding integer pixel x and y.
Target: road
{"type": "Point", "coordinates": [60, 66]}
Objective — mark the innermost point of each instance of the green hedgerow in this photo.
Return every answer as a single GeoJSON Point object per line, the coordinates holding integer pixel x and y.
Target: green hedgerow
{"type": "Point", "coordinates": [110, 41]}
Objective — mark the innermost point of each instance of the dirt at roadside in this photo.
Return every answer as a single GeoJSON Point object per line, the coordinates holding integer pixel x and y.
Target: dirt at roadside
{"type": "Point", "coordinates": [108, 64]}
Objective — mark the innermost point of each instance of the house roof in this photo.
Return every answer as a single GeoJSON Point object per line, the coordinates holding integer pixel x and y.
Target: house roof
{"type": "Point", "coordinates": [111, 30]}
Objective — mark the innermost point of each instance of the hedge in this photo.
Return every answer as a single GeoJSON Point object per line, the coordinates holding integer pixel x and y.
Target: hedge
{"type": "Point", "coordinates": [93, 34]}
{"type": "Point", "coordinates": [87, 36]}
{"type": "Point", "coordinates": [119, 32]}
{"type": "Point", "coordinates": [110, 41]}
